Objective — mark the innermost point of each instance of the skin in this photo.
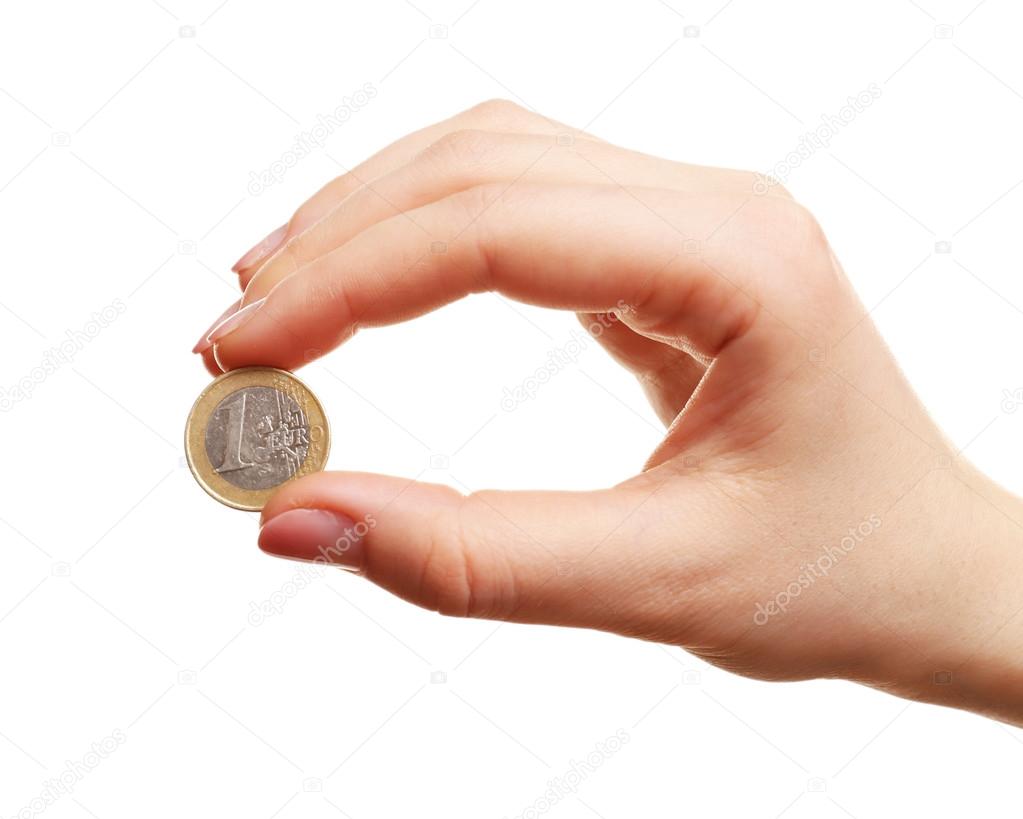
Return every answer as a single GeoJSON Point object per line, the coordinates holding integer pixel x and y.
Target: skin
{"type": "Point", "coordinates": [788, 423]}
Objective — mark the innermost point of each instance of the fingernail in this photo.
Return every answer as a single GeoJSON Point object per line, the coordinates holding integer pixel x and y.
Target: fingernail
{"type": "Point", "coordinates": [203, 344]}
{"type": "Point", "coordinates": [316, 535]}
{"type": "Point", "coordinates": [261, 249]}
{"type": "Point", "coordinates": [234, 321]}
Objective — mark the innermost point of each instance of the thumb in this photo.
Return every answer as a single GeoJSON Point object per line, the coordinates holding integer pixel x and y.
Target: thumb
{"type": "Point", "coordinates": [563, 558]}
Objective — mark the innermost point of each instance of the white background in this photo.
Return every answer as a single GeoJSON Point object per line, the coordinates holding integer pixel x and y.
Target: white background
{"type": "Point", "coordinates": [125, 591]}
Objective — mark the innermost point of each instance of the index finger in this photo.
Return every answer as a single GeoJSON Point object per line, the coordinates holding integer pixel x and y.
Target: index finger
{"type": "Point", "coordinates": [585, 248]}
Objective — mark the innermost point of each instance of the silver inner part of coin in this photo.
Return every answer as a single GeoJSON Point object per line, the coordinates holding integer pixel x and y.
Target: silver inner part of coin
{"type": "Point", "coordinates": [257, 438]}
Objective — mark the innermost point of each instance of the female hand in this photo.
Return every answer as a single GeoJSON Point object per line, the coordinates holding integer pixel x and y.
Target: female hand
{"type": "Point", "coordinates": [802, 517]}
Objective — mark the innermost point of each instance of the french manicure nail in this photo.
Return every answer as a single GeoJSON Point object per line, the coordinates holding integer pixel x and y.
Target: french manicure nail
{"type": "Point", "coordinates": [203, 344]}
{"type": "Point", "coordinates": [316, 535]}
{"type": "Point", "coordinates": [234, 321]}
{"type": "Point", "coordinates": [263, 248]}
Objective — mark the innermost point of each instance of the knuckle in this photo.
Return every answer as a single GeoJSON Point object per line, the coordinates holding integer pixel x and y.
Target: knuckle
{"type": "Point", "coordinates": [286, 260]}
{"type": "Point", "coordinates": [497, 112]}
{"type": "Point", "coordinates": [299, 248]}
{"type": "Point", "coordinates": [806, 234]}
{"type": "Point", "coordinates": [334, 292]}
{"type": "Point", "coordinates": [783, 225]}
{"type": "Point", "coordinates": [482, 209]}
{"type": "Point", "coordinates": [461, 149]}
{"type": "Point", "coordinates": [460, 577]}
{"type": "Point", "coordinates": [781, 191]}
{"type": "Point", "coordinates": [765, 185]}
{"type": "Point", "coordinates": [477, 200]}
{"type": "Point", "coordinates": [446, 580]}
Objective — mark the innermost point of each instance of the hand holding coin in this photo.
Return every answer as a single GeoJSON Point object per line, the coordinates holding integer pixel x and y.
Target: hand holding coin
{"type": "Point", "coordinates": [792, 523]}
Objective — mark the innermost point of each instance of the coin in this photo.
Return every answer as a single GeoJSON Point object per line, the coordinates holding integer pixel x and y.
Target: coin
{"type": "Point", "coordinates": [252, 430]}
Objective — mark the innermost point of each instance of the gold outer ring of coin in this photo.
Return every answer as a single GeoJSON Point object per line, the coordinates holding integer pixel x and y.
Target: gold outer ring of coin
{"type": "Point", "coordinates": [251, 500]}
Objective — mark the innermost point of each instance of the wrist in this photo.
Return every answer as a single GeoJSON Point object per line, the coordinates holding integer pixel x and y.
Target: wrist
{"type": "Point", "coordinates": [959, 639]}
